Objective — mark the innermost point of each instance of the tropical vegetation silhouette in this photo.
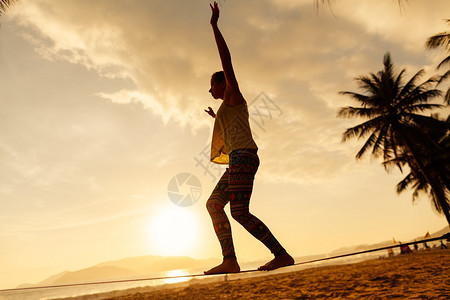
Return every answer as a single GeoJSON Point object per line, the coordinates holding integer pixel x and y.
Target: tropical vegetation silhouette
{"type": "Point", "coordinates": [442, 40]}
{"type": "Point", "coordinates": [438, 163]}
{"type": "Point", "coordinates": [319, 3]}
{"type": "Point", "coordinates": [398, 132]}
{"type": "Point", "coordinates": [5, 4]}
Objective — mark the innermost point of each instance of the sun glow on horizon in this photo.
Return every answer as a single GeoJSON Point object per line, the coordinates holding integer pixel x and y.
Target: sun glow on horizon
{"type": "Point", "coordinates": [177, 276]}
{"type": "Point", "coordinates": [173, 231]}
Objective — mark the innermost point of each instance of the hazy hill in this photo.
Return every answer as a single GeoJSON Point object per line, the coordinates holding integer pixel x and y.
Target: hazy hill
{"type": "Point", "coordinates": [49, 281]}
{"type": "Point", "coordinates": [151, 263]}
{"type": "Point", "coordinates": [387, 243]}
{"type": "Point", "coordinates": [94, 274]}
{"type": "Point", "coordinates": [132, 267]}
{"type": "Point", "coordinates": [133, 263]}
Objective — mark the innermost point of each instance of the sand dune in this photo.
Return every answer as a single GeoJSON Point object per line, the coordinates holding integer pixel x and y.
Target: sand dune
{"type": "Point", "coordinates": [421, 275]}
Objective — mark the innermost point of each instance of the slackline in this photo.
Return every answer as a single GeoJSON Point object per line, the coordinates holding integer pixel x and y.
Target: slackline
{"type": "Point", "coordinates": [445, 236]}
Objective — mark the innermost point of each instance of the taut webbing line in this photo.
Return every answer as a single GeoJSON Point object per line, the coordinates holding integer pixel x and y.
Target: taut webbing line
{"type": "Point", "coordinates": [445, 236]}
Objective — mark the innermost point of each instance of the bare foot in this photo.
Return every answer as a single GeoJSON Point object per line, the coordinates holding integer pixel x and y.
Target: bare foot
{"type": "Point", "coordinates": [278, 262]}
{"type": "Point", "coordinates": [227, 266]}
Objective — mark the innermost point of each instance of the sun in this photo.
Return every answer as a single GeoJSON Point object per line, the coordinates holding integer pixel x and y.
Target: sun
{"type": "Point", "coordinates": [173, 231]}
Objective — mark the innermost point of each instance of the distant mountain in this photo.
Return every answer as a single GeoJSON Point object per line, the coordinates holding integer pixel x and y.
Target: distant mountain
{"type": "Point", "coordinates": [127, 268]}
{"type": "Point", "coordinates": [49, 281]}
{"type": "Point", "coordinates": [94, 274]}
{"type": "Point", "coordinates": [134, 263]}
{"type": "Point", "coordinates": [151, 263]}
{"type": "Point", "coordinates": [345, 250]}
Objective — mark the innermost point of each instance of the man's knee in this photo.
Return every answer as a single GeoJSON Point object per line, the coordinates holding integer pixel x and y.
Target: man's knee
{"type": "Point", "coordinates": [241, 216]}
{"type": "Point", "coordinates": [213, 205]}
{"type": "Point", "coordinates": [236, 215]}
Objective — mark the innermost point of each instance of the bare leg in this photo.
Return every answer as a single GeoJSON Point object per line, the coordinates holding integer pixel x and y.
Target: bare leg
{"type": "Point", "coordinates": [227, 266]}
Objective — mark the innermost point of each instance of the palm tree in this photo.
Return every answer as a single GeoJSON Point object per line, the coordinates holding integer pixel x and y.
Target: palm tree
{"type": "Point", "coordinates": [4, 4]}
{"type": "Point", "coordinates": [442, 40]}
{"type": "Point", "coordinates": [436, 163]}
{"type": "Point", "coordinates": [396, 131]}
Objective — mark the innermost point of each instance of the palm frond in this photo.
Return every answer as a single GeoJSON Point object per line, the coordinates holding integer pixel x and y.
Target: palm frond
{"type": "Point", "coordinates": [421, 187]}
{"type": "Point", "coordinates": [5, 4]}
{"type": "Point", "coordinates": [360, 130]}
{"type": "Point", "coordinates": [434, 122]}
{"type": "Point", "coordinates": [440, 81]}
{"type": "Point", "coordinates": [396, 160]}
{"type": "Point", "coordinates": [421, 97]}
{"type": "Point", "coordinates": [369, 143]}
{"type": "Point", "coordinates": [398, 80]}
{"type": "Point", "coordinates": [395, 147]}
{"type": "Point", "coordinates": [419, 94]}
{"type": "Point", "coordinates": [362, 99]}
{"type": "Point", "coordinates": [351, 112]}
{"type": "Point", "coordinates": [445, 61]}
{"type": "Point", "coordinates": [410, 85]}
{"type": "Point", "coordinates": [443, 77]}
{"type": "Point", "coordinates": [447, 97]}
{"type": "Point", "coordinates": [380, 143]}
{"type": "Point", "coordinates": [370, 85]}
{"type": "Point", "coordinates": [388, 65]}
{"type": "Point", "coordinates": [405, 183]}
{"type": "Point", "coordinates": [422, 107]}
{"type": "Point", "coordinates": [439, 40]}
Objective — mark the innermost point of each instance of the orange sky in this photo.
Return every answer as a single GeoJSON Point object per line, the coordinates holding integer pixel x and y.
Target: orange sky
{"type": "Point", "coordinates": [102, 106]}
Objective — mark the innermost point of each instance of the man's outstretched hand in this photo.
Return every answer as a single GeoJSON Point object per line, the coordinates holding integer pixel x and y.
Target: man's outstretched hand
{"type": "Point", "coordinates": [215, 13]}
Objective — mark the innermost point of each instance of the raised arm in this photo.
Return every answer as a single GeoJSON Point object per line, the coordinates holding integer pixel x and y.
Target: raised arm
{"type": "Point", "coordinates": [225, 58]}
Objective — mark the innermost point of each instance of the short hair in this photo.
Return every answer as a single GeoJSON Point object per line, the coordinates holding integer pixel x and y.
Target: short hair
{"type": "Point", "coordinates": [218, 77]}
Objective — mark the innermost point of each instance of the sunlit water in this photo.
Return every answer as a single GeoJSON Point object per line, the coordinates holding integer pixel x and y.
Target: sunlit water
{"type": "Point", "coordinates": [177, 276]}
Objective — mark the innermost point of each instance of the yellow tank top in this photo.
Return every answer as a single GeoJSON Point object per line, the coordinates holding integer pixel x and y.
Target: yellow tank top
{"type": "Point", "coordinates": [231, 132]}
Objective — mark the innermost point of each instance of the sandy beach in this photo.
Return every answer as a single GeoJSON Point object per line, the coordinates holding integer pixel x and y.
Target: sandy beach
{"type": "Point", "coordinates": [420, 275]}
